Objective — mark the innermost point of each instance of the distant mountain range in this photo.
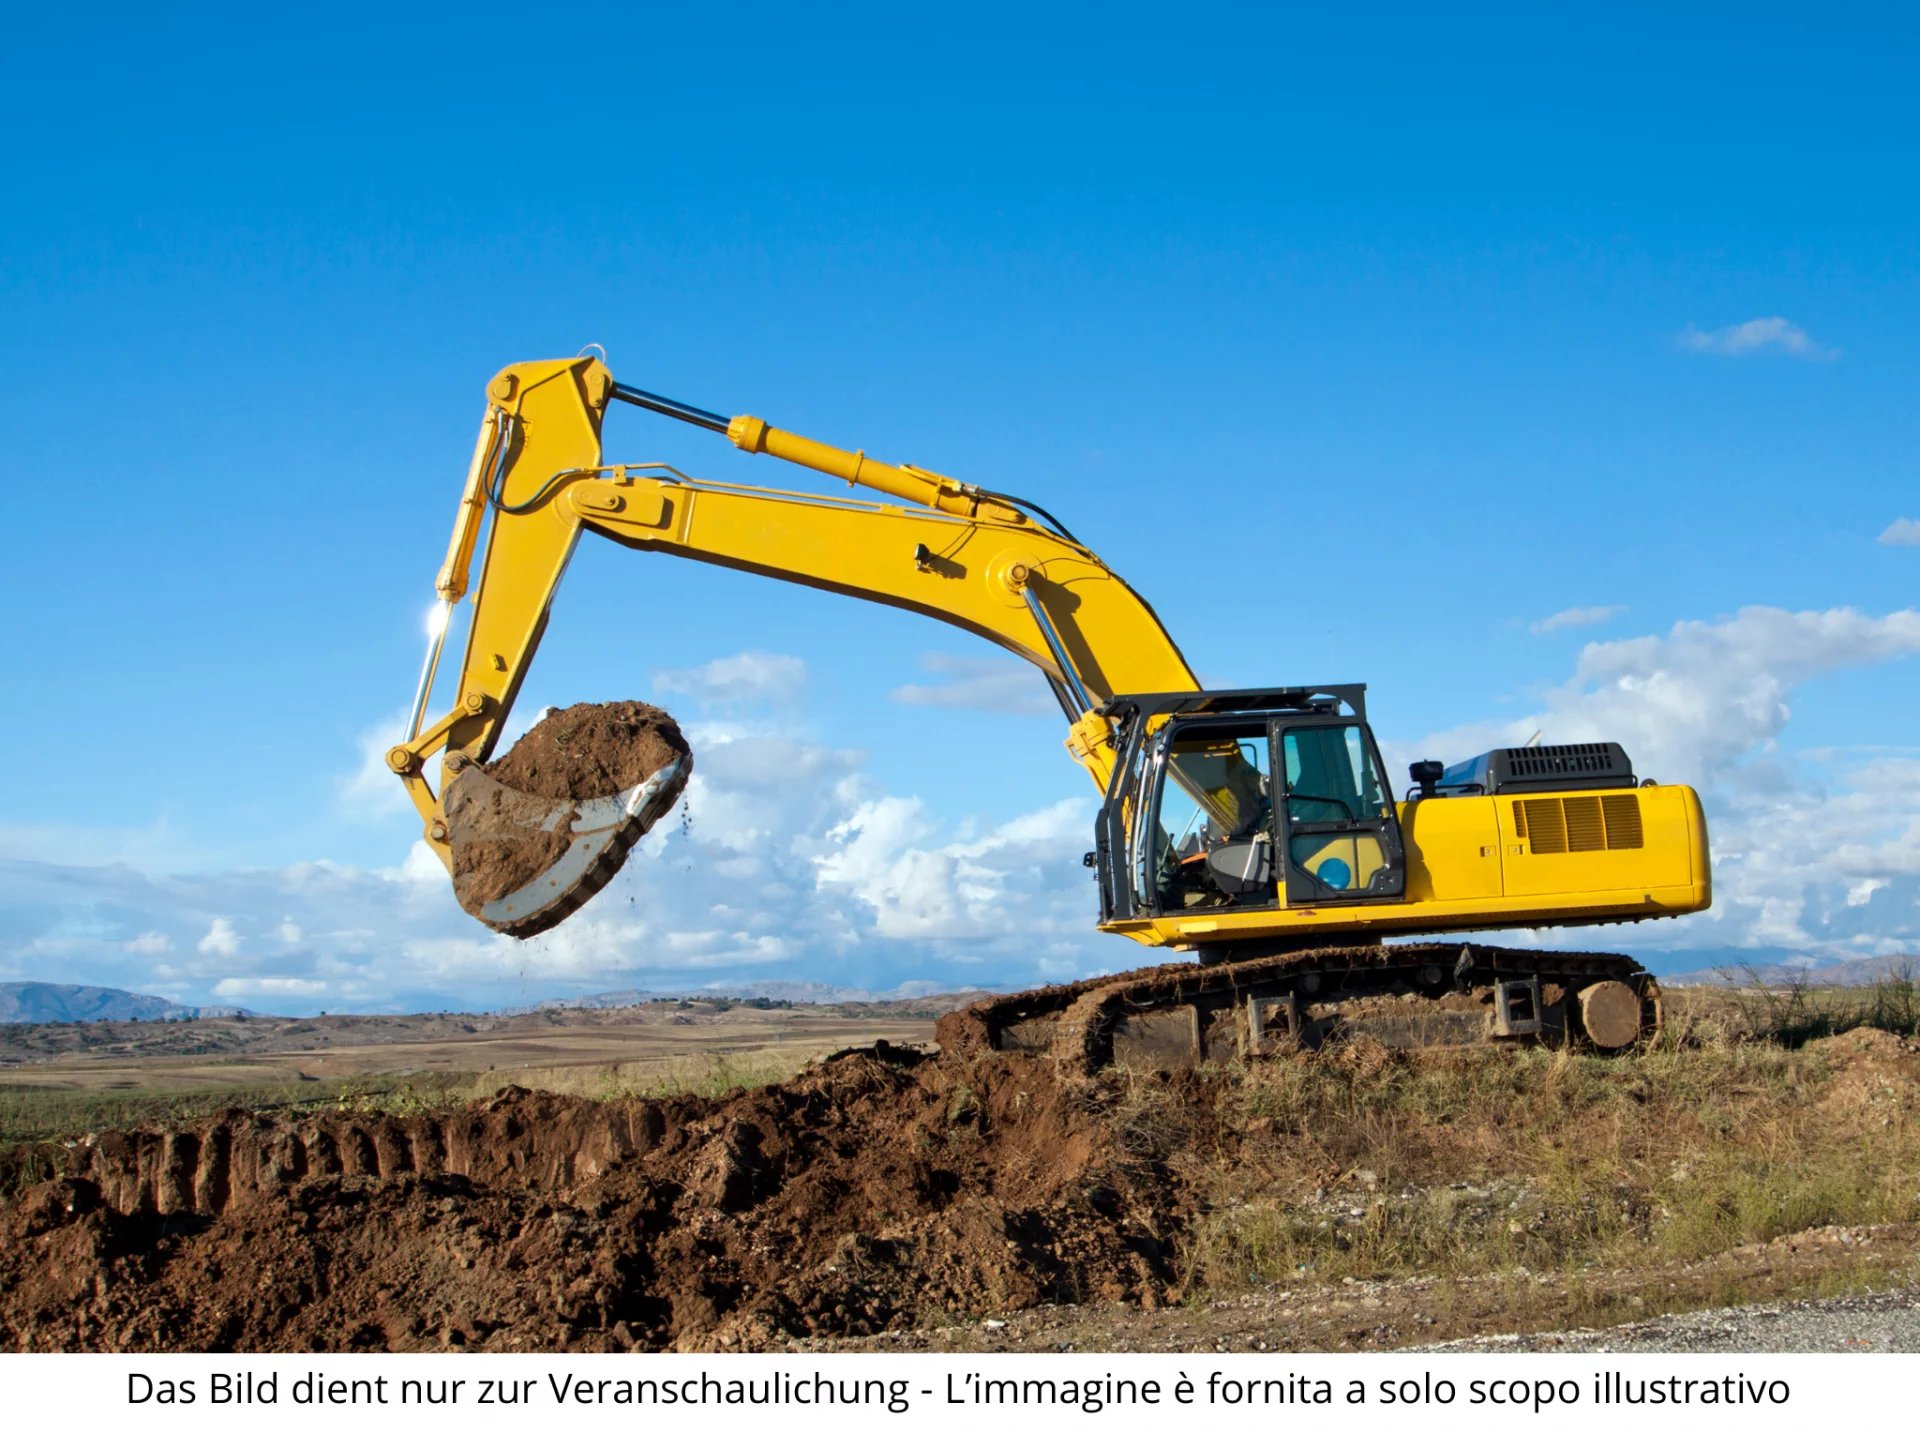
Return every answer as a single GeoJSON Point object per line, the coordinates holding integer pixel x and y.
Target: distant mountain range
{"type": "Point", "coordinates": [796, 992]}
{"type": "Point", "coordinates": [1775, 967]}
{"type": "Point", "coordinates": [38, 1002]}
{"type": "Point", "coordinates": [1729, 966]}
{"type": "Point", "coordinates": [35, 1002]}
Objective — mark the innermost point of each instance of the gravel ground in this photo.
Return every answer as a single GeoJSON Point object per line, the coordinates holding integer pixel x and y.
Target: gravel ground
{"type": "Point", "coordinates": [1863, 1323]}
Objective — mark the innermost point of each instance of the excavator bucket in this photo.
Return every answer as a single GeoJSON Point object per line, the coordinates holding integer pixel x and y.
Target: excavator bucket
{"type": "Point", "coordinates": [537, 832]}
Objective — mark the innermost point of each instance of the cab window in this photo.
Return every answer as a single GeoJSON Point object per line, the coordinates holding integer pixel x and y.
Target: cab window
{"type": "Point", "coordinates": [1331, 776]}
{"type": "Point", "coordinates": [1213, 845]}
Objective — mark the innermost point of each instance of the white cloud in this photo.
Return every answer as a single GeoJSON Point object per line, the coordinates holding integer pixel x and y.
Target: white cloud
{"type": "Point", "coordinates": [1574, 617]}
{"type": "Point", "coordinates": [373, 794]}
{"type": "Point", "coordinates": [747, 678]}
{"type": "Point", "coordinates": [1798, 858]}
{"type": "Point", "coordinates": [422, 864]}
{"type": "Point", "coordinates": [886, 855]}
{"type": "Point", "coordinates": [1706, 696]}
{"type": "Point", "coordinates": [220, 939]}
{"type": "Point", "coordinates": [1901, 532]}
{"type": "Point", "coordinates": [790, 859]}
{"type": "Point", "coordinates": [1861, 892]}
{"type": "Point", "coordinates": [786, 853]}
{"type": "Point", "coordinates": [1757, 335]}
{"type": "Point", "coordinates": [980, 683]}
{"type": "Point", "coordinates": [236, 988]}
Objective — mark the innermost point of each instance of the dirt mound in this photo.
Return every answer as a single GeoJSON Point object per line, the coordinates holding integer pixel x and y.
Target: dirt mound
{"type": "Point", "coordinates": [577, 753]}
{"type": "Point", "coordinates": [1866, 1045]}
{"type": "Point", "coordinates": [870, 1191]}
{"type": "Point", "coordinates": [1875, 1080]}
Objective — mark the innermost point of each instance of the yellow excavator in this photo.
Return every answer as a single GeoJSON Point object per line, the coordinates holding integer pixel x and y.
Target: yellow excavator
{"type": "Point", "coordinates": [1254, 829]}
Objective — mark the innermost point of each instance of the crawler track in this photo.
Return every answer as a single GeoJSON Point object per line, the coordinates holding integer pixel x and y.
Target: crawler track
{"type": "Point", "coordinates": [1430, 994]}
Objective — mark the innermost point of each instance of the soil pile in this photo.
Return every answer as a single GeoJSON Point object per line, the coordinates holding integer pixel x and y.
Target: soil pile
{"type": "Point", "coordinates": [890, 1190]}
{"type": "Point", "coordinates": [872, 1190]}
{"type": "Point", "coordinates": [590, 749]}
{"type": "Point", "coordinates": [499, 836]}
{"type": "Point", "coordinates": [1876, 1080]}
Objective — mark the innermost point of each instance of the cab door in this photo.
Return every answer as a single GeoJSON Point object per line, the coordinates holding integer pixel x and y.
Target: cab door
{"type": "Point", "coordinates": [1341, 840]}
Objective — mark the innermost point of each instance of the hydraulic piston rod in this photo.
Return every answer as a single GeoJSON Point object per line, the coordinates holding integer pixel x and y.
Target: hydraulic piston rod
{"type": "Point", "coordinates": [669, 407]}
{"type": "Point", "coordinates": [755, 435]}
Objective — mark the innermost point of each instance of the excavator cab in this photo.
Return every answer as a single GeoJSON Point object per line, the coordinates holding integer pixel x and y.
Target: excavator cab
{"type": "Point", "coordinates": [1246, 800]}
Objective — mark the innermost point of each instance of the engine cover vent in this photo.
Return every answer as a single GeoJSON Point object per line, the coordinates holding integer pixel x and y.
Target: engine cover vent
{"type": "Point", "coordinates": [1575, 766]}
{"type": "Point", "coordinates": [1556, 826]}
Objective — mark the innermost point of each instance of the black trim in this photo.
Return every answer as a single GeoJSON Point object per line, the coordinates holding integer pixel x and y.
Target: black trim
{"type": "Point", "coordinates": [1323, 700]}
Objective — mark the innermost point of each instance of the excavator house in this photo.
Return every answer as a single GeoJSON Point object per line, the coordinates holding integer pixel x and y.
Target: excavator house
{"type": "Point", "coordinates": [1254, 832]}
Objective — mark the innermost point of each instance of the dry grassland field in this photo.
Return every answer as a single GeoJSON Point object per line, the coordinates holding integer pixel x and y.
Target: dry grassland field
{"type": "Point", "coordinates": [70, 1078]}
{"type": "Point", "coordinates": [711, 1176]}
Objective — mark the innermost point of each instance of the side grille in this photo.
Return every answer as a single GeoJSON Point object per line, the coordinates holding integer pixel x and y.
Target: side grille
{"type": "Point", "coordinates": [1584, 829]}
{"type": "Point", "coordinates": [1556, 825]}
{"type": "Point", "coordinates": [1623, 822]}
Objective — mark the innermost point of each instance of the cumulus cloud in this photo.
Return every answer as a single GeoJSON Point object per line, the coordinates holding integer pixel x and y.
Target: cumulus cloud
{"type": "Point", "coordinates": [1901, 532]}
{"type": "Point", "coordinates": [1704, 697]}
{"type": "Point", "coordinates": [787, 859]}
{"type": "Point", "coordinates": [1757, 335]}
{"type": "Point", "coordinates": [1007, 883]}
{"type": "Point", "coordinates": [1799, 853]}
{"type": "Point", "coordinates": [979, 683]}
{"type": "Point", "coordinates": [221, 939]}
{"type": "Point", "coordinates": [1861, 892]}
{"type": "Point", "coordinates": [1806, 866]}
{"type": "Point", "coordinates": [747, 678]}
{"type": "Point", "coordinates": [237, 988]}
{"type": "Point", "coordinates": [1574, 617]}
{"type": "Point", "coordinates": [372, 793]}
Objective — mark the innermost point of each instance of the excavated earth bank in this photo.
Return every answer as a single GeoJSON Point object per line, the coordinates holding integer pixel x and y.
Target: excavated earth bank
{"type": "Point", "coordinates": [890, 1191]}
{"type": "Point", "coordinates": [577, 753]}
{"type": "Point", "coordinates": [873, 1189]}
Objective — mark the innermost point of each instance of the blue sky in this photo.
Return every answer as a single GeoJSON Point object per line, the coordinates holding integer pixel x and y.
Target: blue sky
{"type": "Point", "coordinates": [1423, 326]}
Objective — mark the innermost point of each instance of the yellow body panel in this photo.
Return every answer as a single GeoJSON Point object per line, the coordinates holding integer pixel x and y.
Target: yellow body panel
{"type": "Point", "coordinates": [1453, 849]}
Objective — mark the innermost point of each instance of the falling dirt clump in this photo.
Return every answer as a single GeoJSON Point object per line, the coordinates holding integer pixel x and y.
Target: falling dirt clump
{"type": "Point", "coordinates": [577, 753]}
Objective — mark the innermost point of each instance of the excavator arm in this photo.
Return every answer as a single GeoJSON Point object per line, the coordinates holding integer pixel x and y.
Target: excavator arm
{"type": "Point", "coordinates": [976, 559]}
